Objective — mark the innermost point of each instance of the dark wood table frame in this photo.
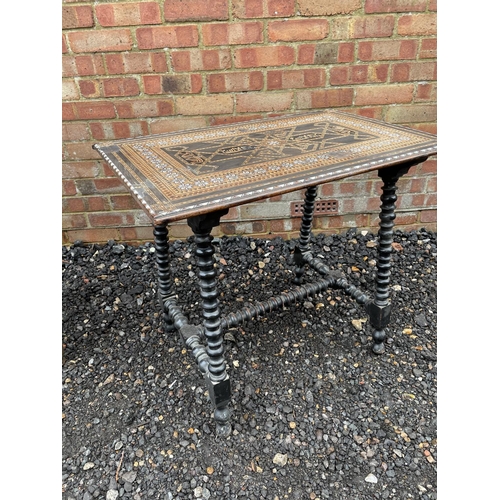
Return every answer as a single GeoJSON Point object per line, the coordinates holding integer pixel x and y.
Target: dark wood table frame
{"type": "Point", "coordinates": [199, 174]}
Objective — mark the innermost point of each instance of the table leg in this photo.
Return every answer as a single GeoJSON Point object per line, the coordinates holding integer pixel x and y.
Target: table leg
{"type": "Point", "coordinates": [165, 288]}
{"type": "Point", "coordinates": [216, 377]}
{"type": "Point", "coordinates": [379, 308]}
{"type": "Point", "coordinates": [305, 233]}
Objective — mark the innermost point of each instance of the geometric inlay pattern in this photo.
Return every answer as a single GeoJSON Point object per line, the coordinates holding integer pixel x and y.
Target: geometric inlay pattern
{"type": "Point", "coordinates": [181, 174]}
{"type": "Point", "coordinates": [236, 152]}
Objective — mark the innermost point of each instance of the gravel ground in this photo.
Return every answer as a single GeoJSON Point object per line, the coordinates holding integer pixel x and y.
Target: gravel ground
{"type": "Point", "coordinates": [316, 415]}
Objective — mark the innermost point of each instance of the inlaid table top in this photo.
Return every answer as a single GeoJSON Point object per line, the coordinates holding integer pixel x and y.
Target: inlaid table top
{"type": "Point", "coordinates": [181, 174]}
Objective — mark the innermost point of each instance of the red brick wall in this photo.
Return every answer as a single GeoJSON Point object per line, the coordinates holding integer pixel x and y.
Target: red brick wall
{"type": "Point", "coordinates": [132, 68]}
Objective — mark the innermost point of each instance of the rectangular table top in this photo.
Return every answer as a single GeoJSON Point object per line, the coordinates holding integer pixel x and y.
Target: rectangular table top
{"type": "Point", "coordinates": [181, 174]}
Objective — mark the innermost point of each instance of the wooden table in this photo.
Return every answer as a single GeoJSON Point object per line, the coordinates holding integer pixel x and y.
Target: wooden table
{"type": "Point", "coordinates": [199, 174]}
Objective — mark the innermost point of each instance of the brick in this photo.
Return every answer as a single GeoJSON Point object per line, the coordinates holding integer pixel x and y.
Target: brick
{"type": "Point", "coordinates": [280, 55]}
{"type": "Point", "coordinates": [372, 26]}
{"type": "Point", "coordinates": [353, 188]}
{"type": "Point", "coordinates": [64, 44]}
{"type": "Point", "coordinates": [140, 218]}
{"type": "Point", "coordinates": [265, 211]}
{"type": "Point", "coordinates": [340, 28]}
{"type": "Point", "coordinates": [90, 88]}
{"type": "Point", "coordinates": [68, 67]}
{"type": "Point", "coordinates": [69, 188]}
{"type": "Point", "coordinates": [75, 132]}
{"type": "Point", "coordinates": [128, 14]}
{"type": "Point", "coordinates": [136, 62]}
{"type": "Point", "coordinates": [342, 75]}
{"type": "Point", "coordinates": [345, 52]}
{"type": "Point", "coordinates": [70, 90]}
{"type": "Point", "coordinates": [90, 236]}
{"type": "Point", "coordinates": [167, 37]}
{"type": "Point", "coordinates": [205, 105]}
{"type": "Point", "coordinates": [235, 81]}
{"type": "Point", "coordinates": [406, 72]}
{"type": "Point", "coordinates": [79, 151]}
{"type": "Point", "coordinates": [296, 30]}
{"type": "Point", "coordinates": [428, 48]}
{"type": "Point", "coordinates": [107, 171]}
{"type": "Point", "coordinates": [319, 53]}
{"type": "Point", "coordinates": [77, 17]}
{"type": "Point", "coordinates": [305, 54]}
{"type": "Point", "coordinates": [430, 185]}
{"type": "Point", "coordinates": [85, 204]}
{"type": "Point", "coordinates": [176, 124]}
{"type": "Point", "coordinates": [407, 201]}
{"type": "Point", "coordinates": [300, 78]}
{"type": "Point", "coordinates": [358, 74]}
{"type": "Point", "coordinates": [426, 92]}
{"type": "Point", "coordinates": [353, 205]}
{"type": "Point", "coordinates": [233, 214]}
{"type": "Point", "coordinates": [383, 94]}
{"type": "Point", "coordinates": [97, 110]}
{"type": "Point", "coordinates": [263, 102]}
{"type": "Point", "coordinates": [123, 202]}
{"type": "Point", "coordinates": [108, 131]}
{"type": "Point", "coordinates": [348, 221]}
{"type": "Point", "coordinates": [417, 25]}
{"type": "Point", "coordinates": [97, 203]}
{"type": "Point", "coordinates": [233, 33]}
{"type": "Point", "coordinates": [144, 108]}
{"type": "Point", "coordinates": [116, 87]}
{"type": "Point", "coordinates": [74, 221]}
{"type": "Point", "coordinates": [405, 218]}
{"type": "Point", "coordinates": [411, 114]}
{"type": "Point", "coordinates": [324, 98]}
{"type": "Point", "coordinates": [430, 200]}
{"type": "Point", "coordinates": [109, 185]}
{"type": "Point", "coordinates": [384, 50]}
{"type": "Point", "coordinates": [239, 228]}
{"type": "Point", "coordinates": [80, 169]}
{"type": "Point", "coordinates": [226, 120]}
{"type": "Point", "coordinates": [172, 84]}
{"type": "Point", "coordinates": [411, 185]}
{"type": "Point", "coordinates": [245, 9]}
{"type": "Point", "coordinates": [90, 65]}
{"type": "Point", "coordinates": [195, 10]}
{"type": "Point", "coordinates": [72, 205]}
{"type": "Point", "coordinates": [110, 219]}
{"type": "Point", "coordinates": [201, 60]}
{"type": "Point", "coordinates": [428, 216]}
{"type": "Point", "coordinates": [248, 8]}
{"type": "Point", "coordinates": [376, 112]}
{"type": "Point", "coordinates": [68, 111]}
{"type": "Point", "coordinates": [374, 6]}
{"type": "Point", "coordinates": [100, 40]}
{"type": "Point", "coordinates": [430, 128]}
{"type": "Point", "coordinates": [327, 7]}
{"type": "Point", "coordinates": [136, 234]}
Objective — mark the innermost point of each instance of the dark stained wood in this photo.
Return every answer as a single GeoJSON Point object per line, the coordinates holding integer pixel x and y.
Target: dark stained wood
{"type": "Point", "coordinates": [183, 174]}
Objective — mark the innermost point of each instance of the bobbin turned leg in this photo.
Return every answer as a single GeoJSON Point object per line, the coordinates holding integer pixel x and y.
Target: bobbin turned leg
{"type": "Point", "coordinates": [216, 377]}
{"type": "Point", "coordinates": [165, 288]}
{"type": "Point", "coordinates": [379, 309]}
{"type": "Point", "coordinates": [305, 233]}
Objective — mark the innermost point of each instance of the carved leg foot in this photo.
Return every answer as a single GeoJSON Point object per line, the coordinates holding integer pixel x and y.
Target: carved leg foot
{"type": "Point", "coordinates": [378, 341]}
{"type": "Point", "coordinates": [222, 420]}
